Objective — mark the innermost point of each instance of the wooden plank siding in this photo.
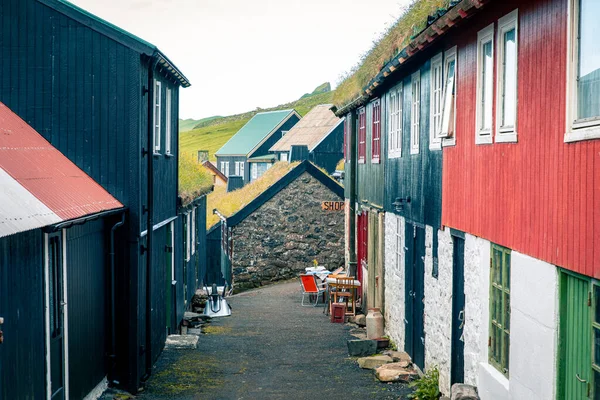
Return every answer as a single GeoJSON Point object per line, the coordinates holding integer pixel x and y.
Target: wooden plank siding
{"type": "Point", "coordinates": [329, 152]}
{"type": "Point", "coordinates": [416, 175]}
{"type": "Point", "coordinates": [538, 196]}
{"type": "Point", "coordinates": [370, 176]}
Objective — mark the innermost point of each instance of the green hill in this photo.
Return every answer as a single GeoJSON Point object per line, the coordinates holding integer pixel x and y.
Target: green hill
{"type": "Point", "coordinates": [211, 134]}
{"type": "Point", "coordinates": [189, 124]}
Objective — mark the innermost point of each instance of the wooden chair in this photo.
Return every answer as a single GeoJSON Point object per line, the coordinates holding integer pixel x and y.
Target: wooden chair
{"type": "Point", "coordinates": [345, 290]}
{"type": "Point", "coordinates": [311, 287]}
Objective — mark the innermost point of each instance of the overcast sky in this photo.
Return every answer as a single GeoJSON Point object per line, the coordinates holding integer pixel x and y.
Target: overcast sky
{"type": "Point", "coordinates": [243, 54]}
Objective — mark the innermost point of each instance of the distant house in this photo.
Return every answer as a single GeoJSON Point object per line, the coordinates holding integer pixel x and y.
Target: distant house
{"type": "Point", "coordinates": [57, 232]}
{"type": "Point", "coordinates": [246, 154]}
{"type": "Point", "coordinates": [298, 219]}
{"type": "Point", "coordinates": [220, 178]}
{"type": "Point", "coordinates": [322, 132]}
{"type": "Point", "coordinates": [109, 102]}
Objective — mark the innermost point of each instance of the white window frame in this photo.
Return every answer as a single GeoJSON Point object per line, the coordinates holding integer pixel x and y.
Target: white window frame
{"type": "Point", "coordinates": [283, 156]}
{"type": "Point", "coordinates": [225, 168]}
{"type": "Point", "coordinates": [415, 112]}
{"type": "Point", "coordinates": [483, 136]}
{"type": "Point", "coordinates": [449, 56]}
{"type": "Point", "coordinates": [157, 116]}
{"type": "Point", "coordinates": [395, 121]}
{"type": "Point", "coordinates": [576, 130]}
{"type": "Point", "coordinates": [193, 242]}
{"type": "Point", "coordinates": [253, 172]}
{"type": "Point", "coordinates": [242, 168]}
{"type": "Point", "coordinates": [187, 236]}
{"type": "Point", "coordinates": [436, 103]}
{"type": "Point", "coordinates": [506, 24]}
{"type": "Point", "coordinates": [168, 121]}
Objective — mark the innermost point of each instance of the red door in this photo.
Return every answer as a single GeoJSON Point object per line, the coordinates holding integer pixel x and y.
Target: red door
{"type": "Point", "coordinates": [362, 248]}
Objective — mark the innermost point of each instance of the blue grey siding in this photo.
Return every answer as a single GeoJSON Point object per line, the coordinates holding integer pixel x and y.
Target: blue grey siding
{"type": "Point", "coordinates": [330, 151]}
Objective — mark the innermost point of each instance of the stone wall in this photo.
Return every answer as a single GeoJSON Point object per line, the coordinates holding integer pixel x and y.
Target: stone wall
{"type": "Point", "coordinates": [438, 306]}
{"type": "Point", "coordinates": [394, 278]}
{"type": "Point", "coordinates": [284, 235]}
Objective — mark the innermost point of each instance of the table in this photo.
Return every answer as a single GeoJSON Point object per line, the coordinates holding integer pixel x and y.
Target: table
{"type": "Point", "coordinates": [332, 283]}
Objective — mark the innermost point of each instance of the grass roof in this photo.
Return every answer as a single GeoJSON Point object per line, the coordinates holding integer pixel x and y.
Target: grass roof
{"type": "Point", "coordinates": [194, 179]}
{"type": "Point", "coordinates": [230, 203]}
{"type": "Point", "coordinates": [396, 38]}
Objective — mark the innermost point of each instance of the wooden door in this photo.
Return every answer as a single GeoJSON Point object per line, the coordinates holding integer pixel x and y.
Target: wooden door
{"type": "Point", "coordinates": [457, 368]}
{"type": "Point", "coordinates": [575, 374]}
{"type": "Point", "coordinates": [362, 248]}
{"type": "Point", "coordinates": [415, 294]}
{"type": "Point", "coordinates": [56, 307]}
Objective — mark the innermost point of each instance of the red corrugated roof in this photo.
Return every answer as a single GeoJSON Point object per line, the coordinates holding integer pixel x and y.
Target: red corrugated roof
{"type": "Point", "coordinates": [46, 173]}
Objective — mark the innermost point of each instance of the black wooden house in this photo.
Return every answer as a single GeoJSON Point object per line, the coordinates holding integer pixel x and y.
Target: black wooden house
{"type": "Point", "coordinates": [108, 101]}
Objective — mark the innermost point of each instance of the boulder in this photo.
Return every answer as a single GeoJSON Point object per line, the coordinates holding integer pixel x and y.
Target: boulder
{"type": "Point", "coordinates": [360, 320]}
{"type": "Point", "coordinates": [396, 372]}
{"type": "Point", "coordinates": [460, 391]}
{"type": "Point", "coordinates": [374, 362]}
{"type": "Point", "coordinates": [362, 348]}
{"type": "Point", "coordinates": [398, 355]}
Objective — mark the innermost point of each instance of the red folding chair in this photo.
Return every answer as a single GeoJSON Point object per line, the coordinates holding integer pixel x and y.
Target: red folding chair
{"type": "Point", "coordinates": [311, 287]}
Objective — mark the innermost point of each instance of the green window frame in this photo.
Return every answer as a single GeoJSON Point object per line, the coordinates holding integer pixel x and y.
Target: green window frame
{"type": "Point", "coordinates": [499, 334]}
{"type": "Point", "coordinates": [595, 340]}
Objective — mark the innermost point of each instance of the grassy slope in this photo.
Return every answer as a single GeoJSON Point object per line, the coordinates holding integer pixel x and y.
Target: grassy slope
{"type": "Point", "coordinates": [189, 124]}
{"type": "Point", "coordinates": [211, 135]}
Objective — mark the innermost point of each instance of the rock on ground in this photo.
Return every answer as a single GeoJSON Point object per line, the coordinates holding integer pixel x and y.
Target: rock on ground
{"type": "Point", "coordinates": [396, 372]}
{"type": "Point", "coordinates": [361, 348]}
{"type": "Point", "coordinates": [398, 355]}
{"type": "Point", "coordinates": [460, 391]}
{"type": "Point", "coordinates": [181, 342]}
{"type": "Point", "coordinates": [374, 362]}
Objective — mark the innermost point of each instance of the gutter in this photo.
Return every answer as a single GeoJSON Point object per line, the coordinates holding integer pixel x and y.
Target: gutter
{"type": "Point", "coordinates": [352, 267]}
{"type": "Point", "coordinates": [83, 220]}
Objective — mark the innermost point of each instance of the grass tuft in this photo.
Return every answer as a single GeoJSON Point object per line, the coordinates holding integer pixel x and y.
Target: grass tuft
{"type": "Point", "coordinates": [391, 42]}
{"type": "Point", "coordinates": [194, 179]}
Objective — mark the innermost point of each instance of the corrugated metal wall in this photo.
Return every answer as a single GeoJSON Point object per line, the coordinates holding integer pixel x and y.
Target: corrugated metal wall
{"type": "Point", "coordinates": [89, 316]}
{"type": "Point", "coordinates": [22, 356]}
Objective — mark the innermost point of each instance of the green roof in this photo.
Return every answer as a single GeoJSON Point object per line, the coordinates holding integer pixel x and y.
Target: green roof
{"type": "Point", "coordinates": [255, 130]}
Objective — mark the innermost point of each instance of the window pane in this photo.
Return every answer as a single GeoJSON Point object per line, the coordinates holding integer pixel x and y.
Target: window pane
{"type": "Point", "coordinates": [506, 349]}
{"type": "Point", "coordinates": [507, 270]}
{"type": "Point", "coordinates": [509, 79]}
{"type": "Point", "coordinates": [588, 87]}
{"type": "Point", "coordinates": [596, 346]}
{"type": "Point", "coordinates": [448, 100]}
{"type": "Point", "coordinates": [506, 324]}
{"type": "Point", "coordinates": [487, 81]}
{"type": "Point", "coordinates": [597, 304]}
{"type": "Point", "coordinates": [596, 385]}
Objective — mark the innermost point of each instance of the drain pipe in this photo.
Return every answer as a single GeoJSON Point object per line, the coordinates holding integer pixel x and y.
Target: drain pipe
{"type": "Point", "coordinates": [153, 62]}
{"type": "Point", "coordinates": [352, 267]}
{"type": "Point", "coordinates": [113, 333]}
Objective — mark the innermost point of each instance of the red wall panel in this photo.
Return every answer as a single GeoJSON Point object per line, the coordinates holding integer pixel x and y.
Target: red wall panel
{"type": "Point", "coordinates": [539, 196]}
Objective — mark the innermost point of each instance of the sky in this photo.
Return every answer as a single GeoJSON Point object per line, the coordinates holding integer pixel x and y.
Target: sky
{"type": "Point", "coordinates": [243, 54]}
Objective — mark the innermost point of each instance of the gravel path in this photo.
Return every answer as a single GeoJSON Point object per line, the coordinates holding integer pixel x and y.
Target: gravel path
{"type": "Point", "coordinates": [270, 348]}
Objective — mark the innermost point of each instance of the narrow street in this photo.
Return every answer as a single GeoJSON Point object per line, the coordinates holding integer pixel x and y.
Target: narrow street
{"type": "Point", "coordinates": [270, 348]}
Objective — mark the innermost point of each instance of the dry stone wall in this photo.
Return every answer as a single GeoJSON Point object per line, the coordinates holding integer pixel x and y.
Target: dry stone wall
{"type": "Point", "coordinates": [284, 235]}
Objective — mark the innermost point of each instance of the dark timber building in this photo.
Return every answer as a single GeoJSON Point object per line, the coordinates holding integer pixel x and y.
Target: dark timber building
{"type": "Point", "coordinates": [109, 102]}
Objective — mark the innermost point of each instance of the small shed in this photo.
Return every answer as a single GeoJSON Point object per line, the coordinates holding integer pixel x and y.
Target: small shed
{"type": "Point", "coordinates": [298, 219]}
{"type": "Point", "coordinates": [319, 130]}
{"type": "Point", "coordinates": [219, 178]}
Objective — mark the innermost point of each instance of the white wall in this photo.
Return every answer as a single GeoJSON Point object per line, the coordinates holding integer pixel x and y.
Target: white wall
{"type": "Point", "coordinates": [394, 280]}
{"type": "Point", "coordinates": [533, 328]}
{"type": "Point", "coordinates": [438, 306]}
{"type": "Point", "coordinates": [475, 333]}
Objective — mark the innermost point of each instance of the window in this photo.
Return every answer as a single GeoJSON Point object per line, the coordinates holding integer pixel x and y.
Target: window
{"type": "Point", "coordinates": [187, 236]}
{"type": "Point", "coordinates": [507, 79]}
{"type": "Point", "coordinates": [253, 171]}
{"type": "Point", "coordinates": [283, 157]}
{"type": "Point", "coordinates": [376, 133]}
{"type": "Point", "coordinates": [239, 168]}
{"type": "Point", "coordinates": [225, 168]}
{"type": "Point", "coordinates": [485, 84]}
{"type": "Point", "coordinates": [395, 122]}
{"type": "Point", "coordinates": [448, 114]}
{"type": "Point", "coordinates": [157, 115]}
{"type": "Point", "coordinates": [584, 72]}
{"type": "Point", "coordinates": [415, 112]}
{"type": "Point", "coordinates": [168, 122]}
{"type": "Point", "coordinates": [437, 88]}
{"type": "Point", "coordinates": [362, 135]}
{"type": "Point", "coordinates": [499, 340]}
{"type": "Point", "coordinates": [193, 234]}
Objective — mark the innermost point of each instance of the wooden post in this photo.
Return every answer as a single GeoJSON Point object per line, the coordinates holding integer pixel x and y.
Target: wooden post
{"type": "Point", "coordinates": [352, 184]}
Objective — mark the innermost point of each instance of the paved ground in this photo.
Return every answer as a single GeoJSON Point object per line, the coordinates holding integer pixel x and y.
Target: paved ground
{"type": "Point", "coordinates": [270, 348]}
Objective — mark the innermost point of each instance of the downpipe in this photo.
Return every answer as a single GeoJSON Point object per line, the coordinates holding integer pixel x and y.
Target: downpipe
{"type": "Point", "coordinates": [113, 327]}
